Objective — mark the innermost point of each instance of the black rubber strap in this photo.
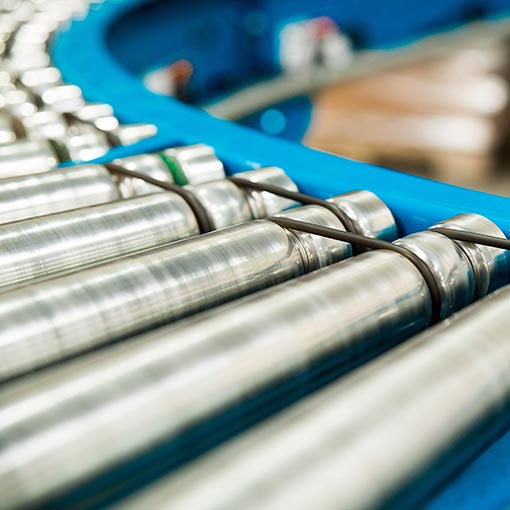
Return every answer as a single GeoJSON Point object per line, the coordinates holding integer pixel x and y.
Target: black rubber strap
{"type": "Point", "coordinates": [298, 197]}
{"type": "Point", "coordinates": [197, 208]}
{"type": "Point", "coordinates": [373, 244]}
{"type": "Point", "coordinates": [474, 237]}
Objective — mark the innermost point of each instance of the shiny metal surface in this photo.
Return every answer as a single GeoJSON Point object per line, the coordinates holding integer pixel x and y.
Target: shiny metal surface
{"type": "Point", "coordinates": [17, 102]}
{"type": "Point", "coordinates": [318, 251]}
{"type": "Point", "coordinates": [94, 112]}
{"type": "Point", "coordinates": [36, 80]}
{"type": "Point", "coordinates": [491, 265]}
{"type": "Point", "coordinates": [224, 203]}
{"type": "Point", "coordinates": [53, 244]}
{"type": "Point", "coordinates": [24, 157]}
{"type": "Point", "coordinates": [44, 247]}
{"type": "Point", "coordinates": [369, 213]}
{"type": "Point", "coordinates": [43, 125]}
{"type": "Point", "coordinates": [384, 437]}
{"type": "Point", "coordinates": [128, 134]}
{"type": "Point", "coordinates": [7, 133]}
{"type": "Point", "coordinates": [161, 384]}
{"type": "Point", "coordinates": [59, 190]}
{"type": "Point", "coordinates": [454, 273]}
{"type": "Point", "coordinates": [51, 320]}
{"type": "Point", "coordinates": [147, 164]}
{"type": "Point", "coordinates": [84, 143]}
{"type": "Point", "coordinates": [194, 164]}
{"type": "Point", "coordinates": [264, 204]}
{"type": "Point", "coordinates": [63, 98]}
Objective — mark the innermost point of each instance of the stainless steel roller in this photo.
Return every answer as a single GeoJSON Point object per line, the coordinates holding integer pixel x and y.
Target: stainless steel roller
{"type": "Point", "coordinates": [159, 385]}
{"type": "Point", "coordinates": [24, 157]}
{"type": "Point", "coordinates": [61, 190]}
{"type": "Point", "coordinates": [7, 133]}
{"type": "Point", "coordinates": [193, 164]}
{"type": "Point", "coordinates": [385, 437]}
{"type": "Point", "coordinates": [51, 320]}
{"type": "Point", "coordinates": [68, 241]}
{"type": "Point", "coordinates": [44, 247]}
{"type": "Point", "coordinates": [71, 188]}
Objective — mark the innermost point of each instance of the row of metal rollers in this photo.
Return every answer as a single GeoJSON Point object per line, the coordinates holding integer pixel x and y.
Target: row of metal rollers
{"type": "Point", "coordinates": [141, 401]}
{"type": "Point", "coordinates": [45, 121]}
{"type": "Point", "coordinates": [76, 422]}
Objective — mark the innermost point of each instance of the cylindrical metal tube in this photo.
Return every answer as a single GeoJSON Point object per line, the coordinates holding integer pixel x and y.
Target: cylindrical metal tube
{"type": "Point", "coordinates": [454, 272]}
{"type": "Point", "coordinates": [24, 157]}
{"type": "Point", "coordinates": [384, 437]}
{"type": "Point", "coordinates": [147, 164]}
{"type": "Point", "coordinates": [202, 367]}
{"type": "Point", "coordinates": [43, 247]}
{"type": "Point", "coordinates": [7, 132]}
{"type": "Point", "coordinates": [161, 385]}
{"type": "Point", "coordinates": [51, 320]}
{"type": "Point", "coordinates": [224, 203]}
{"type": "Point", "coordinates": [67, 241]}
{"type": "Point", "coordinates": [265, 204]}
{"type": "Point", "coordinates": [60, 190]}
{"type": "Point", "coordinates": [193, 164]}
{"type": "Point", "coordinates": [369, 213]}
{"type": "Point", "coordinates": [83, 143]}
{"type": "Point", "coordinates": [491, 265]}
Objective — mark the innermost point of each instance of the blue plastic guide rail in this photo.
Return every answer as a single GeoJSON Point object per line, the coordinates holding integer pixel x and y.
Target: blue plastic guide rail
{"type": "Point", "coordinates": [87, 55]}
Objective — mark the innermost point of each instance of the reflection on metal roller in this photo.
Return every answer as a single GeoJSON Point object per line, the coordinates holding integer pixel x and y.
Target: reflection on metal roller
{"type": "Point", "coordinates": [61, 190]}
{"type": "Point", "coordinates": [166, 382]}
{"type": "Point", "coordinates": [71, 188]}
{"type": "Point", "coordinates": [52, 320]}
{"type": "Point", "coordinates": [43, 247]}
{"type": "Point", "coordinates": [157, 300]}
{"type": "Point", "coordinates": [381, 438]}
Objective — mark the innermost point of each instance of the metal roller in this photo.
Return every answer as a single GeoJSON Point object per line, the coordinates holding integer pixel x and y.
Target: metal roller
{"type": "Point", "coordinates": [7, 133]}
{"type": "Point", "coordinates": [98, 114]}
{"type": "Point", "coordinates": [193, 164]}
{"type": "Point", "coordinates": [77, 312]}
{"type": "Point", "coordinates": [266, 204]}
{"type": "Point", "coordinates": [385, 437]}
{"type": "Point", "coordinates": [147, 164]}
{"type": "Point", "coordinates": [71, 188]}
{"type": "Point", "coordinates": [454, 272]}
{"type": "Point", "coordinates": [61, 190]}
{"type": "Point", "coordinates": [68, 241]}
{"type": "Point", "coordinates": [159, 385]}
{"type": "Point", "coordinates": [42, 125]}
{"type": "Point", "coordinates": [225, 204]}
{"type": "Point", "coordinates": [488, 263]}
{"type": "Point", "coordinates": [17, 103]}
{"type": "Point", "coordinates": [376, 223]}
{"type": "Point", "coordinates": [41, 104]}
{"type": "Point", "coordinates": [128, 134]}
{"type": "Point", "coordinates": [82, 143]}
{"type": "Point", "coordinates": [24, 157]}
{"type": "Point", "coordinates": [38, 80]}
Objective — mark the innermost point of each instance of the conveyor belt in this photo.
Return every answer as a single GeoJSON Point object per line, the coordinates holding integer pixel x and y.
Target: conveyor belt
{"type": "Point", "coordinates": [151, 307]}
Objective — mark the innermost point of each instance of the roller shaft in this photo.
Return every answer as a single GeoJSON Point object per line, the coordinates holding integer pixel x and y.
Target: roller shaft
{"type": "Point", "coordinates": [383, 438]}
{"type": "Point", "coordinates": [149, 390]}
{"type": "Point", "coordinates": [51, 320]}
{"type": "Point", "coordinates": [51, 192]}
{"type": "Point", "coordinates": [68, 241]}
